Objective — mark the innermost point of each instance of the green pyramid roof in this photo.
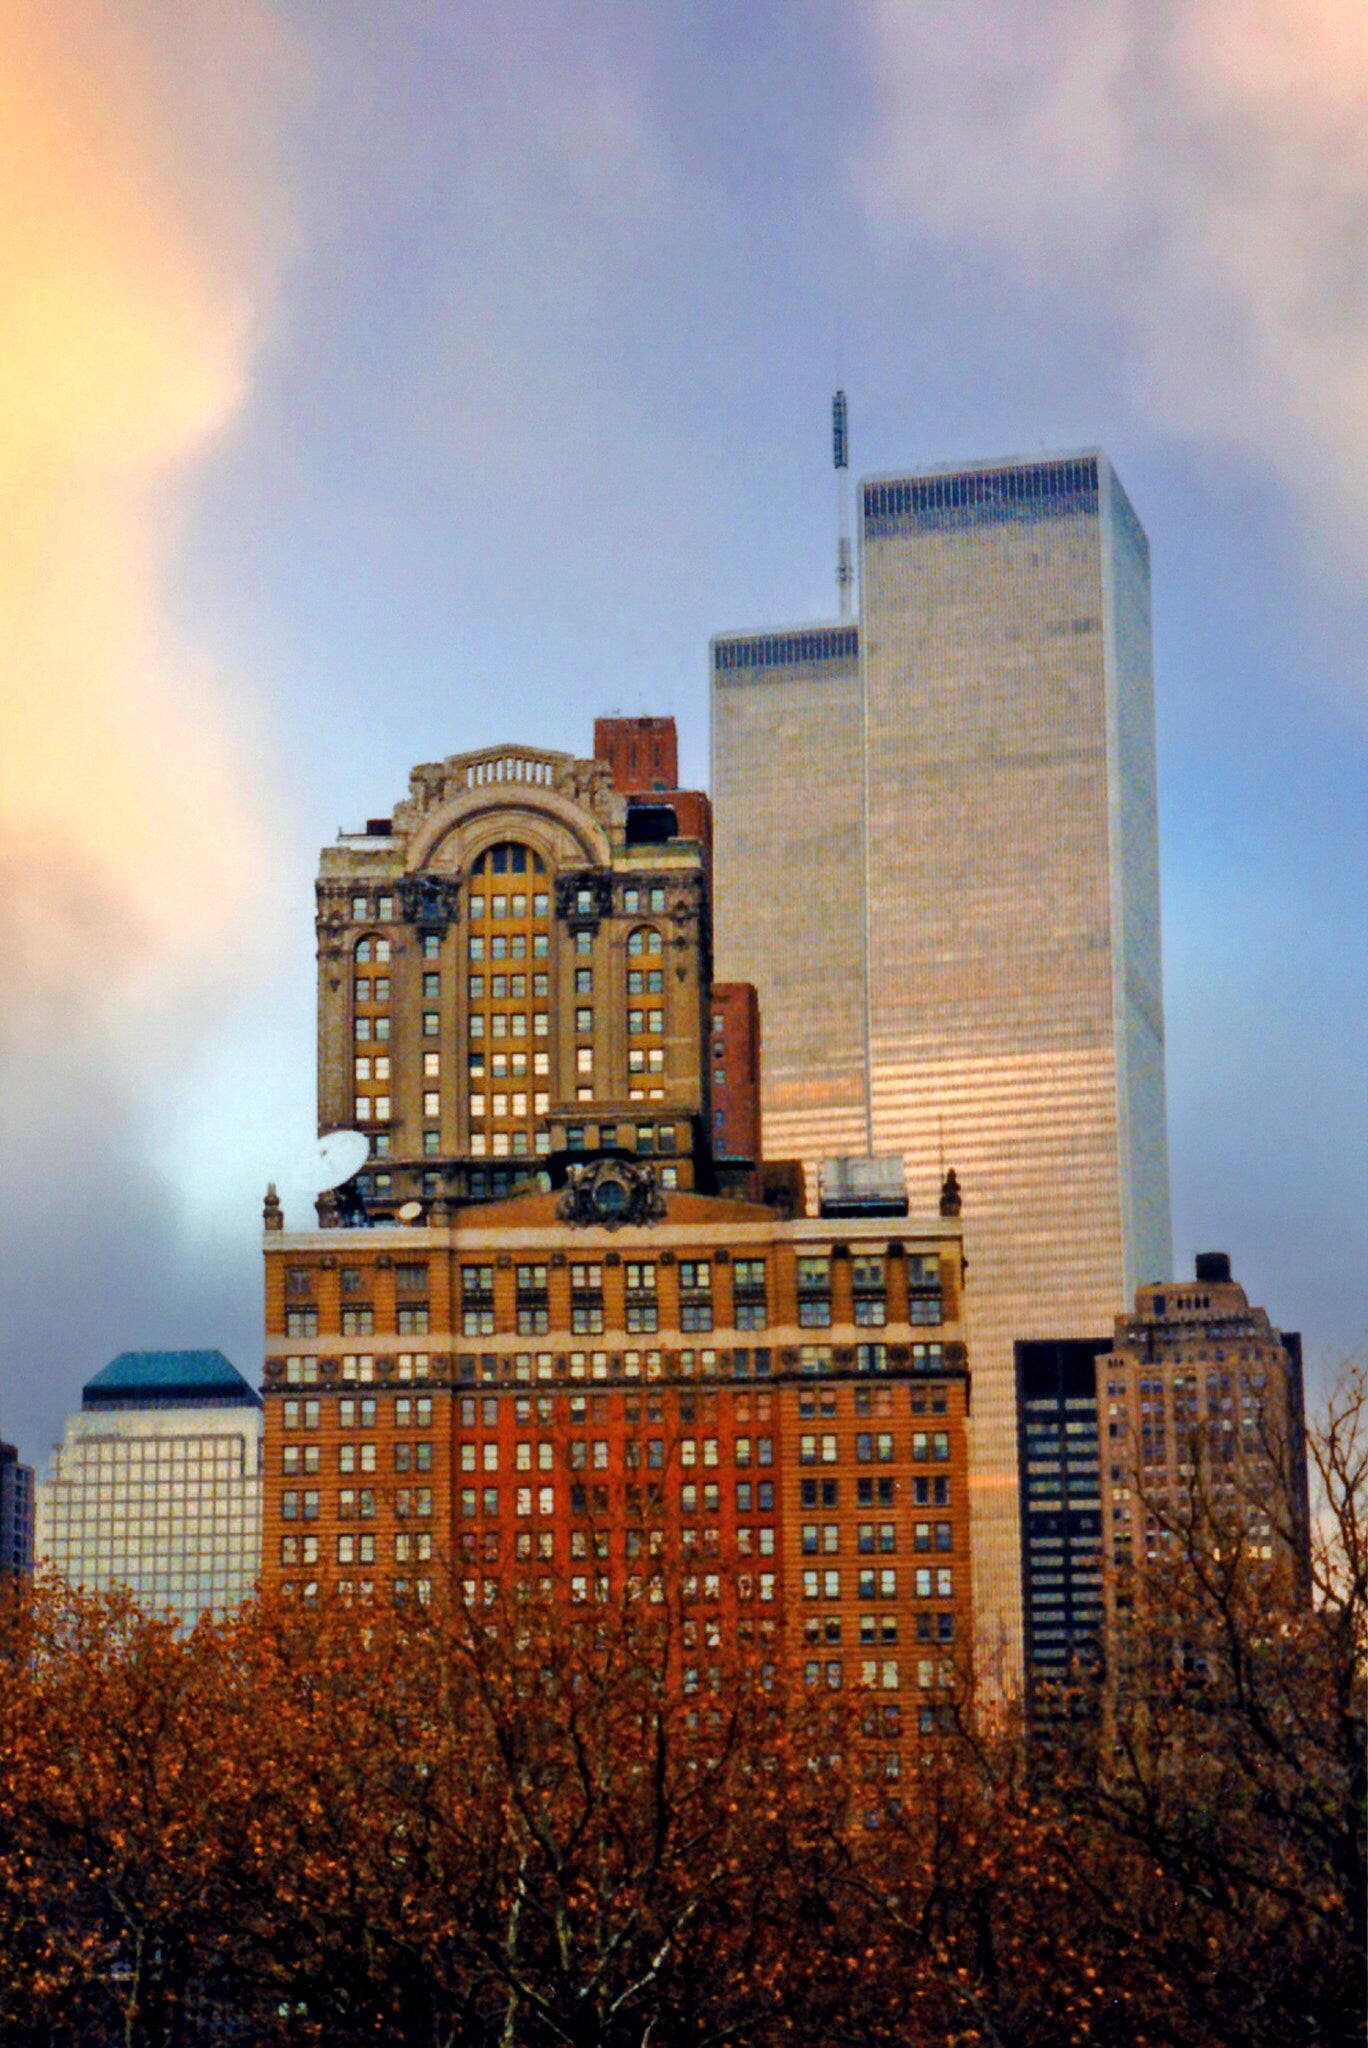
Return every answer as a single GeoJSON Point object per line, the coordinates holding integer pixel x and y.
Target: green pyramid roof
{"type": "Point", "coordinates": [144, 1378]}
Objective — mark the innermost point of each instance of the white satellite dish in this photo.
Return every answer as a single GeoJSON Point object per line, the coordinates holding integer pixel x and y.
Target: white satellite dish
{"type": "Point", "coordinates": [340, 1155]}
{"type": "Point", "coordinates": [409, 1212]}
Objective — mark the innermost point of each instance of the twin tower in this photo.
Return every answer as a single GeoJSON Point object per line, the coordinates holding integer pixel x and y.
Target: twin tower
{"type": "Point", "coordinates": [934, 856]}
{"type": "Point", "coordinates": [937, 859]}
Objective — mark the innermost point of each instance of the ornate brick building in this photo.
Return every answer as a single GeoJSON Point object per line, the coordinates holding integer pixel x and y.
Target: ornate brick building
{"type": "Point", "coordinates": [545, 1335]}
{"type": "Point", "coordinates": [513, 969]}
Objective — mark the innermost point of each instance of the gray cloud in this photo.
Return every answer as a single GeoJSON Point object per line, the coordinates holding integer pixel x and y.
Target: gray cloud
{"type": "Point", "coordinates": [1192, 172]}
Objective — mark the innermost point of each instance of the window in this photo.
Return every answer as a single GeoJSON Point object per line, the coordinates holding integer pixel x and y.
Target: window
{"type": "Point", "coordinates": [642, 1307]}
{"type": "Point", "coordinates": [814, 1292]}
{"type": "Point", "coordinates": [695, 1294]}
{"type": "Point", "coordinates": [923, 1289]}
{"type": "Point", "coordinates": [748, 1287]}
{"type": "Point", "coordinates": [869, 1289]}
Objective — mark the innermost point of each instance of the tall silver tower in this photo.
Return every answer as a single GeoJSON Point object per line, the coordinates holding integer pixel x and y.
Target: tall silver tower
{"type": "Point", "coordinates": [994, 901]}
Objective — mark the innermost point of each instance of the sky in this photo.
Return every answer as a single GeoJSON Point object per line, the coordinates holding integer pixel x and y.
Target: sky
{"type": "Point", "coordinates": [382, 382]}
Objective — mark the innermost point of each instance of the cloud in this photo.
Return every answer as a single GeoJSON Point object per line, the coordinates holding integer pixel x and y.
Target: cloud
{"type": "Point", "coordinates": [1194, 171]}
{"type": "Point", "coordinates": [135, 255]}
{"type": "Point", "coordinates": [124, 340]}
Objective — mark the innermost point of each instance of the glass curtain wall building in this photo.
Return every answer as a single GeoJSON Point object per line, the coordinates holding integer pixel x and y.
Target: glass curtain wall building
{"type": "Point", "coordinates": [156, 1485]}
{"type": "Point", "coordinates": [1001, 923]}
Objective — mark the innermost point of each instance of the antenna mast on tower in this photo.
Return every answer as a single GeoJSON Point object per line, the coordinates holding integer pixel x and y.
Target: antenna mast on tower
{"type": "Point", "coordinates": [840, 457]}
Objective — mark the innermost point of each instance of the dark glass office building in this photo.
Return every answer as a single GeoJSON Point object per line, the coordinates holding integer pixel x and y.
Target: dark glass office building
{"type": "Point", "coordinates": [1059, 1462]}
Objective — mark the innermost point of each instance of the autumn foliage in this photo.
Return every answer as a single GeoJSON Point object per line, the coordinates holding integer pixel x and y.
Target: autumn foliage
{"type": "Point", "coordinates": [516, 1827]}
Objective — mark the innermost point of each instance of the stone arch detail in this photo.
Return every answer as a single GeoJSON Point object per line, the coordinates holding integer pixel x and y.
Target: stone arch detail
{"type": "Point", "coordinates": [451, 836]}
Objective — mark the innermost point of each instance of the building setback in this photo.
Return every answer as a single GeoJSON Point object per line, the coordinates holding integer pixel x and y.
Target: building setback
{"type": "Point", "coordinates": [156, 1485]}
{"type": "Point", "coordinates": [936, 854]}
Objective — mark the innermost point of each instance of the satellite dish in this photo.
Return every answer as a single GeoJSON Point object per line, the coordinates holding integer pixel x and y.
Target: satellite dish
{"type": "Point", "coordinates": [409, 1212]}
{"type": "Point", "coordinates": [340, 1155]}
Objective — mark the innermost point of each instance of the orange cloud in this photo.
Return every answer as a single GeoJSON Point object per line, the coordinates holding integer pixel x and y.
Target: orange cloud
{"type": "Point", "coordinates": [126, 301]}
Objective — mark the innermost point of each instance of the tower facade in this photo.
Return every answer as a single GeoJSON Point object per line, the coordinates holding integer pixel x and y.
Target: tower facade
{"type": "Point", "coordinates": [788, 861]}
{"type": "Point", "coordinates": [987, 981]}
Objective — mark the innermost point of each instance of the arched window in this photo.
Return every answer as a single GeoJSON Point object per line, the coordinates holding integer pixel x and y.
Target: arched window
{"type": "Point", "coordinates": [371, 948]}
{"type": "Point", "coordinates": [509, 858]}
{"type": "Point", "coordinates": [644, 939]}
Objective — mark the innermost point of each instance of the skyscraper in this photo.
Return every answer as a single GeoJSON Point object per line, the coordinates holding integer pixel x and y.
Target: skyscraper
{"type": "Point", "coordinates": [936, 857]}
{"type": "Point", "coordinates": [788, 778]}
{"type": "Point", "coordinates": [156, 1485]}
